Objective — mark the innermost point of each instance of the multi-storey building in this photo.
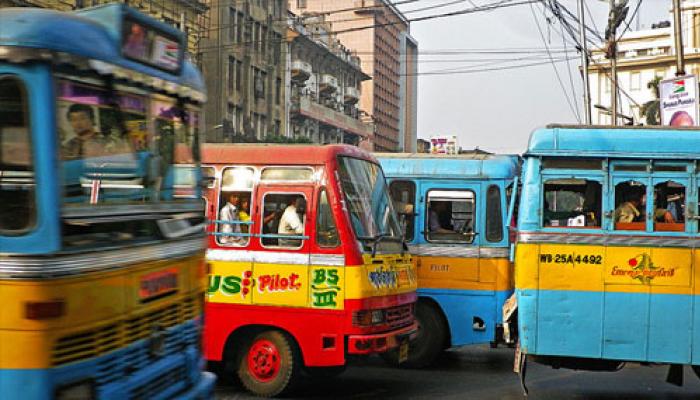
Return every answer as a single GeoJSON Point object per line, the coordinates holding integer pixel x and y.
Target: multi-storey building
{"type": "Point", "coordinates": [643, 56]}
{"type": "Point", "coordinates": [325, 85]}
{"type": "Point", "coordinates": [380, 34]}
{"type": "Point", "coordinates": [243, 62]}
{"type": "Point", "coordinates": [190, 16]}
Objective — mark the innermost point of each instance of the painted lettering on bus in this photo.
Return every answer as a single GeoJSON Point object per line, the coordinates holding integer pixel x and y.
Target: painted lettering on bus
{"type": "Point", "coordinates": [440, 267]}
{"type": "Point", "coordinates": [278, 283]}
{"type": "Point", "coordinates": [231, 285]}
{"type": "Point", "coordinates": [383, 278]}
{"type": "Point", "coordinates": [325, 287]}
{"type": "Point", "coordinates": [158, 283]}
{"type": "Point", "coordinates": [571, 259]}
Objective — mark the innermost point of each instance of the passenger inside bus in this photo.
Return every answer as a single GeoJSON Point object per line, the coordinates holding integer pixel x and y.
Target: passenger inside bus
{"type": "Point", "coordinates": [450, 216]}
{"type": "Point", "coordinates": [292, 222]}
{"type": "Point", "coordinates": [236, 209]}
{"type": "Point", "coordinates": [229, 214]}
{"type": "Point", "coordinates": [244, 214]}
{"type": "Point", "coordinates": [439, 218]}
{"type": "Point", "coordinates": [632, 208]}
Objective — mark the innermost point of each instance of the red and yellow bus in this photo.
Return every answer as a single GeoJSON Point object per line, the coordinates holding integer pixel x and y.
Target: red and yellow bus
{"type": "Point", "coordinates": [307, 262]}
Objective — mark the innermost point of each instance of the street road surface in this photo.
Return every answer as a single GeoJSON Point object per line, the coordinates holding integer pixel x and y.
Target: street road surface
{"type": "Point", "coordinates": [478, 372]}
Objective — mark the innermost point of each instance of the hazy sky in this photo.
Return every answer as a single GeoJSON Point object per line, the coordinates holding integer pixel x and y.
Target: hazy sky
{"type": "Point", "coordinates": [497, 110]}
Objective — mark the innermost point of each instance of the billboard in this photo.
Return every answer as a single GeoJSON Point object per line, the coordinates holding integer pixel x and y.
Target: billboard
{"type": "Point", "coordinates": [443, 145]}
{"type": "Point", "coordinates": [679, 101]}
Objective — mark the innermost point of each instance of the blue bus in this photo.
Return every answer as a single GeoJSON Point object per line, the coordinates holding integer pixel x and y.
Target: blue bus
{"type": "Point", "coordinates": [456, 212]}
{"type": "Point", "coordinates": [606, 248]}
{"type": "Point", "coordinates": [102, 270]}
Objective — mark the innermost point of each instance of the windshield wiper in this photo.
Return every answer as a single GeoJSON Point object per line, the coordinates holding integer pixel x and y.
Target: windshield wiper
{"type": "Point", "coordinates": [378, 238]}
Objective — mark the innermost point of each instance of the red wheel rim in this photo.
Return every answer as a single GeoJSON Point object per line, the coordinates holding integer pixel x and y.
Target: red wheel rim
{"type": "Point", "coordinates": [264, 360]}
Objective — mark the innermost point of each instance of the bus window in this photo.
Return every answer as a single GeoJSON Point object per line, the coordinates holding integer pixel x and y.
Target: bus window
{"type": "Point", "coordinates": [296, 174]}
{"type": "Point", "coordinates": [283, 215]}
{"type": "Point", "coordinates": [669, 207]}
{"type": "Point", "coordinates": [326, 231]}
{"type": "Point", "coordinates": [209, 176]}
{"type": "Point", "coordinates": [104, 145]}
{"type": "Point", "coordinates": [450, 216]}
{"type": "Point", "coordinates": [630, 206]}
{"type": "Point", "coordinates": [403, 194]}
{"type": "Point", "coordinates": [17, 208]}
{"type": "Point", "coordinates": [572, 203]}
{"type": "Point", "coordinates": [235, 206]}
{"type": "Point", "coordinates": [494, 215]}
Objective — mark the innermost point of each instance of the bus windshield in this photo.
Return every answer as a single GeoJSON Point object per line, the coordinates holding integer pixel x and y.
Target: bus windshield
{"type": "Point", "coordinates": [123, 148]}
{"type": "Point", "coordinates": [367, 195]}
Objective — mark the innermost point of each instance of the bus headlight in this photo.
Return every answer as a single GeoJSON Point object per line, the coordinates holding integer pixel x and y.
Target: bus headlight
{"type": "Point", "coordinates": [366, 318]}
{"type": "Point", "coordinates": [377, 317]}
{"type": "Point", "coordinates": [76, 391]}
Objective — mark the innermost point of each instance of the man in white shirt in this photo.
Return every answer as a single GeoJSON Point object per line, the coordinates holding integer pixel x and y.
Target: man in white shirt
{"type": "Point", "coordinates": [230, 213]}
{"type": "Point", "coordinates": [292, 222]}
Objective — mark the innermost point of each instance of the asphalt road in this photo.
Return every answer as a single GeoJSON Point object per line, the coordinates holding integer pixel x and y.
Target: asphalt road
{"type": "Point", "coordinates": [478, 372]}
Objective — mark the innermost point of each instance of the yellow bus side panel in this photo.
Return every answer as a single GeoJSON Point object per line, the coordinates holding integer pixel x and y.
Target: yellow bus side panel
{"type": "Point", "coordinates": [600, 268]}
{"type": "Point", "coordinates": [464, 273]}
{"type": "Point", "coordinates": [91, 301]}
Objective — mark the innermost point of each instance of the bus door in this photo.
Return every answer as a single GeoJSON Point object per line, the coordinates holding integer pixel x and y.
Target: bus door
{"type": "Point", "coordinates": [449, 265]}
{"type": "Point", "coordinates": [283, 219]}
{"type": "Point", "coordinates": [450, 236]}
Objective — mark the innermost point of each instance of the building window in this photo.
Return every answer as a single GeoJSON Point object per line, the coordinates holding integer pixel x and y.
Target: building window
{"type": "Point", "coordinates": [239, 74]}
{"type": "Point", "coordinates": [231, 74]}
{"type": "Point", "coordinates": [232, 24]}
{"type": "Point", "coordinates": [278, 91]}
{"type": "Point", "coordinates": [240, 27]}
{"type": "Point", "coordinates": [635, 81]}
{"type": "Point", "coordinates": [301, 3]}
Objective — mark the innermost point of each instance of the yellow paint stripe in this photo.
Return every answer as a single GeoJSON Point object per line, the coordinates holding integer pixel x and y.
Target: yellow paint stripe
{"type": "Point", "coordinates": [606, 269]}
{"type": "Point", "coordinates": [457, 273]}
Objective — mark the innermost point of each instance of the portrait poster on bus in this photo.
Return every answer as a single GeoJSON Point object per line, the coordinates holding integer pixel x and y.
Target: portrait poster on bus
{"type": "Point", "coordinates": [679, 101]}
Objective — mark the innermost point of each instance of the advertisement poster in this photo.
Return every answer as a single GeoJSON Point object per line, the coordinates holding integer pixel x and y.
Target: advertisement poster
{"type": "Point", "coordinates": [443, 145]}
{"type": "Point", "coordinates": [679, 101]}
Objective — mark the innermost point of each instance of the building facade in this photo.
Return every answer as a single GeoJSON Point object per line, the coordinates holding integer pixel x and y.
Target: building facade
{"type": "Point", "coordinates": [190, 16]}
{"type": "Point", "coordinates": [324, 85]}
{"type": "Point", "coordinates": [244, 65]}
{"type": "Point", "coordinates": [380, 34]}
{"type": "Point", "coordinates": [642, 57]}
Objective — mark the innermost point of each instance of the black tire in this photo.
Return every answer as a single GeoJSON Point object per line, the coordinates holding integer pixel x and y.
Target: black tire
{"type": "Point", "coordinates": [430, 341]}
{"type": "Point", "coordinates": [268, 364]}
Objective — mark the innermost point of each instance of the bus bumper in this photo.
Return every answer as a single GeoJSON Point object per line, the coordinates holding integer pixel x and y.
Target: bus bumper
{"type": "Point", "coordinates": [381, 342]}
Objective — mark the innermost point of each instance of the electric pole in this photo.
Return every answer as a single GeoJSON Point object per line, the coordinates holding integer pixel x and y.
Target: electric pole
{"type": "Point", "coordinates": [680, 65]}
{"type": "Point", "coordinates": [584, 64]}
{"type": "Point", "coordinates": [618, 13]}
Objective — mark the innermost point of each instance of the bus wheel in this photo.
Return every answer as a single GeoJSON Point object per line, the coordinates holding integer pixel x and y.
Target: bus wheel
{"type": "Point", "coordinates": [429, 342]}
{"type": "Point", "coordinates": [267, 365]}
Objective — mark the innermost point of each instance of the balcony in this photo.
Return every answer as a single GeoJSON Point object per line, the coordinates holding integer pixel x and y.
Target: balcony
{"type": "Point", "coordinates": [328, 84]}
{"type": "Point", "coordinates": [305, 107]}
{"type": "Point", "coordinates": [301, 70]}
{"type": "Point", "coordinates": [352, 95]}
